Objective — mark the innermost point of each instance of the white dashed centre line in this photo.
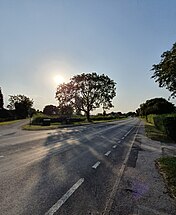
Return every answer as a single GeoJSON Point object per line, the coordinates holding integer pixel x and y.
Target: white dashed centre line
{"type": "Point", "coordinates": [119, 141]}
{"type": "Point", "coordinates": [108, 153]}
{"type": "Point", "coordinates": [96, 165]}
{"type": "Point", "coordinates": [122, 169]}
{"type": "Point", "coordinates": [1, 156]}
{"type": "Point", "coordinates": [65, 197]}
{"type": "Point", "coordinates": [123, 138]}
{"type": "Point", "coordinates": [114, 146]}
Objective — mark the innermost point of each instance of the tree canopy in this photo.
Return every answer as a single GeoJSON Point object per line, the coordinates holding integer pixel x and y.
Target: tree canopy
{"type": "Point", "coordinates": [156, 106]}
{"type": "Point", "coordinates": [65, 110]}
{"type": "Point", "coordinates": [50, 110]}
{"type": "Point", "coordinates": [22, 105]}
{"type": "Point", "coordinates": [87, 92]}
{"type": "Point", "coordinates": [165, 71]}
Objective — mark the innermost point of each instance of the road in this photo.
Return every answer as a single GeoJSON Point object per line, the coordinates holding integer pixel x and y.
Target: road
{"type": "Point", "coordinates": [73, 170]}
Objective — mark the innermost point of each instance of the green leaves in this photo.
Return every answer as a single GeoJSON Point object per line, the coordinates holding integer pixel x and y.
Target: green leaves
{"type": "Point", "coordinates": [165, 71]}
{"type": "Point", "coordinates": [86, 92]}
{"type": "Point", "coordinates": [22, 105]}
{"type": "Point", "coordinates": [156, 106]}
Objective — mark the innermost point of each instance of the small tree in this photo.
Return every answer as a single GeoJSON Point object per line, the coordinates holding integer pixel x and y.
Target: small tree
{"type": "Point", "coordinates": [165, 71]}
{"type": "Point", "coordinates": [65, 111]}
{"type": "Point", "coordinates": [22, 105]}
{"type": "Point", "coordinates": [87, 92]}
{"type": "Point", "coordinates": [1, 100]}
{"type": "Point", "coordinates": [50, 110]}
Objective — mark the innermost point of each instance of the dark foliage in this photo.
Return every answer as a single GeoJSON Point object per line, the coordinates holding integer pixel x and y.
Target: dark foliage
{"type": "Point", "coordinates": [156, 106]}
{"type": "Point", "coordinates": [87, 92]}
{"type": "Point", "coordinates": [50, 110]}
{"type": "Point", "coordinates": [1, 100]}
{"type": "Point", "coordinates": [165, 71]}
{"type": "Point", "coordinates": [7, 115]}
{"type": "Point", "coordinates": [165, 123]}
{"type": "Point", "coordinates": [21, 104]}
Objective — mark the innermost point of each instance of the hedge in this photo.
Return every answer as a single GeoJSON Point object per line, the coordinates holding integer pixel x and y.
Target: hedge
{"type": "Point", "coordinates": [38, 119]}
{"type": "Point", "coordinates": [165, 123]}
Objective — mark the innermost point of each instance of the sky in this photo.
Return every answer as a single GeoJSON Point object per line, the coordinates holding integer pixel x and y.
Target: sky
{"type": "Point", "coordinates": [40, 39]}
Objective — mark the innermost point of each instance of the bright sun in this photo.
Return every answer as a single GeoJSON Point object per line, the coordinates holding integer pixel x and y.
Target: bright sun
{"type": "Point", "coordinates": [58, 79]}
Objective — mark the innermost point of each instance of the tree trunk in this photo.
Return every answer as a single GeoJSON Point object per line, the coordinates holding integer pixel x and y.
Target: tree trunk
{"type": "Point", "coordinates": [88, 116]}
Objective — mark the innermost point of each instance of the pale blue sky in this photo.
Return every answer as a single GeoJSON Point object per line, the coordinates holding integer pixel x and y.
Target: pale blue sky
{"type": "Point", "coordinates": [120, 38]}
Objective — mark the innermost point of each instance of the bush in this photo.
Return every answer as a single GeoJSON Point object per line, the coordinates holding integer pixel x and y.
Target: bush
{"type": "Point", "coordinates": [101, 117]}
{"type": "Point", "coordinates": [39, 117]}
{"type": "Point", "coordinates": [159, 122]}
{"type": "Point", "coordinates": [150, 118]}
{"type": "Point", "coordinates": [7, 115]}
{"type": "Point", "coordinates": [165, 123]}
{"type": "Point", "coordinates": [170, 126]}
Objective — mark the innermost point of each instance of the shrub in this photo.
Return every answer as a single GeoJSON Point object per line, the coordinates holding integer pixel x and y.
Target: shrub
{"type": "Point", "coordinates": [150, 118]}
{"type": "Point", "coordinates": [170, 126]}
{"type": "Point", "coordinates": [99, 117]}
{"type": "Point", "coordinates": [37, 119]}
{"type": "Point", "coordinates": [165, 123]}
{"type": "Point", "coordinates": [7, 115]}
{"type": "Point", "coordinates": [159, 122]}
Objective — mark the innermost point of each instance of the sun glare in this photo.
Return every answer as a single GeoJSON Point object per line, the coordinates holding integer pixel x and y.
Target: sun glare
{"type": "Point", "coordinates": [58, 79]}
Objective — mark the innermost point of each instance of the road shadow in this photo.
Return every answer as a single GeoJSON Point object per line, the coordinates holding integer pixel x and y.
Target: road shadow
{"type": "Point", "coordinates": [69, 157]}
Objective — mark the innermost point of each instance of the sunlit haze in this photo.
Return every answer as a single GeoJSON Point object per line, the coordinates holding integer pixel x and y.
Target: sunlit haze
{"type": "Point", "coordinates": [45, 43]}
{"type": "Point", "coordinates": [58, 79]}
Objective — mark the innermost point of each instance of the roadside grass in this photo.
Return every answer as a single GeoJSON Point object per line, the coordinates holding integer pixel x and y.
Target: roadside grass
{"type": "Point", "coordinates": [9, 122]}
{"type": "Point", "coordinates": [39, 127]}
{"type": "Point", "coordinates": [153, 133]}
{"type": "Point", "coordinates": [52, 126]}
{"type": "Point", "coordinates": [167, 167]}
{"type": "Point", "coordinates": [59, 125]}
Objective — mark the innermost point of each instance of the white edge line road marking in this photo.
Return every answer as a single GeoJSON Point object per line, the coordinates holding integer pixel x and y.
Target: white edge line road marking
{"type": "Point", "coordinates": [65, 197]}
{"type": "Point", "coordinates": [107, 153]}
{"type": "Point", "coordinates": [114, 146]}
{"type": "Point", "coordinates": [117, 182]}
{"type": "Point", "coordinates": [96, 165]}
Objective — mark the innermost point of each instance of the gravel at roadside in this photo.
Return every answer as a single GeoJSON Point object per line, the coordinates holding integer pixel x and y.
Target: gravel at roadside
{"type": "Point", "coordinates": [142, 189]}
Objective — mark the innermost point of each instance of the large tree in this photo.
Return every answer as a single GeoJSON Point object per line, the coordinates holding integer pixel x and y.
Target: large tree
{"type": "Point", "coordinates": [156, 106]}
{"type": "Point", "coordinates": [22, 105]}
{"type": "Point", "coordinates": [87, 92]}
{"type": "Point", "coordinates": [165, 71]}
{"type": "Point", "coordinates": [1, 100]}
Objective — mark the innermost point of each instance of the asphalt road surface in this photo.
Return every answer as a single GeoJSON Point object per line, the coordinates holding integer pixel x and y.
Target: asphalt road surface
{"type": "Point", "coordinates": [73, 170]}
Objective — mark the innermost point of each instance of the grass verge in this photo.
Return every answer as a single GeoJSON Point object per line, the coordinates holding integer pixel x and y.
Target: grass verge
{"type": "Point", "coordinates": [39, 127]}
{"type": "Point", "coordinates": [167, 167]}
{"type": "Point", "coordinates": [59, 125]}
{"type": "Point", "coordinates": [9, 122]}
{"type": "Point", "coordinates": [52, 126]}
